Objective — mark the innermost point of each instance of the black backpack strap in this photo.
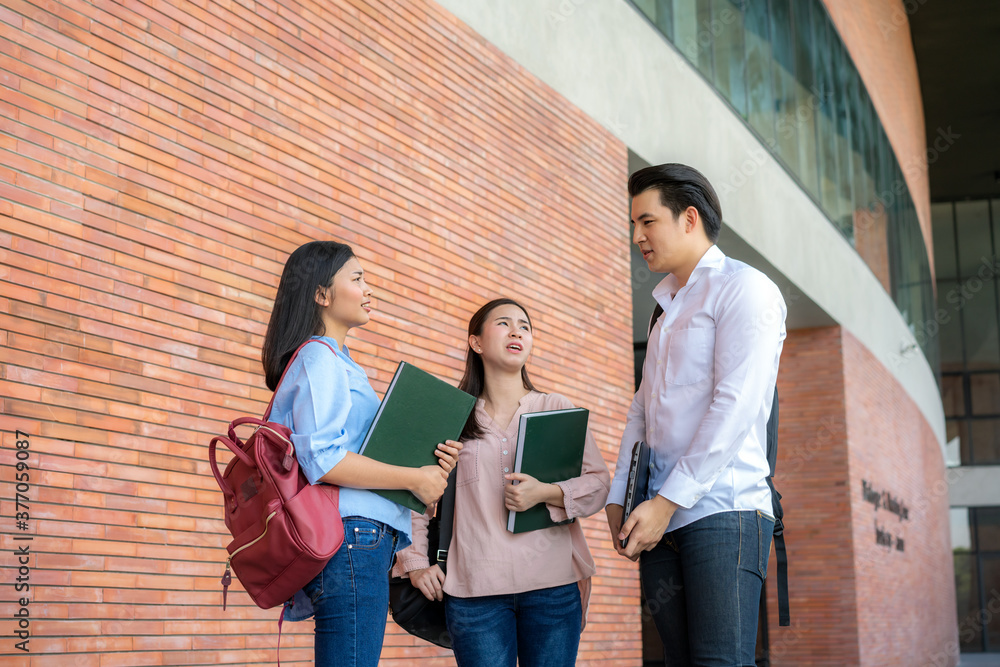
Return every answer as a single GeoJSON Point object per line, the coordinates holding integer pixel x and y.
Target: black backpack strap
{"type": "Point", "coordinates": [657, 311]}
{"type": "Point", "coordinates": [446, 521]}
{"type": "Point", "coordinates": [784, 616]}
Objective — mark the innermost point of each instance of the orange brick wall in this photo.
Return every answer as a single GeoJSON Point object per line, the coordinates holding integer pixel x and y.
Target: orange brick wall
{"type": "Point", "coordinates": [906, 599]}
{"type": "Point", "coordinates": [877, 35]}
{"type": "Point", "coordinates": [845, 419]}
{"type": "Point", "coordinates": [158, 161]}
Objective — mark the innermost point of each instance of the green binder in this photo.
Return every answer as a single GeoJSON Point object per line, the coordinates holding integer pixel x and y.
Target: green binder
{"type": "Point", "coordinates": [550, 449]}
{"type": "Point", "coordinates": [418, 412]}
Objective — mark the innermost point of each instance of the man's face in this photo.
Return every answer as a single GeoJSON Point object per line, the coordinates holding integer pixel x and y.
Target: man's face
{"type": "Point", "coordinates": [659, 234]}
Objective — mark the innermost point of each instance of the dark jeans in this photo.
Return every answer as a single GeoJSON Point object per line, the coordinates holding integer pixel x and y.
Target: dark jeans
{"type": "Point", "coordinates": [351, 596]}
{"type": "Point", "coordinates": [534, 629]}
{"type": "Point", "coordinates": [702, 584]}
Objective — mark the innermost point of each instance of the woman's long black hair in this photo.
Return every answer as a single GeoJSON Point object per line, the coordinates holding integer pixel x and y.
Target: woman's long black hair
{"type": "Point", "coordinates": [296, 315]}
{"type": "Point", "coordinates": [474, 380]}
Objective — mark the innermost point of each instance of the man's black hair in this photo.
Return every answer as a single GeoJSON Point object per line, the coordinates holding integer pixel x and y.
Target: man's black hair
{"type": "Point", "coordinates": [681, 186]}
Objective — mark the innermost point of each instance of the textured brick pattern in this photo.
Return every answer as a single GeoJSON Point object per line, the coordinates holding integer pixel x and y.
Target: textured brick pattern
{"type": "Point", "coordinates": [906, 599]}
{"type": "Point", "coordinates": [845, 420]}
{"type": "Point", "coordinates": [158, 161]}
{"type": "Point", "coordinates": [877, 35]}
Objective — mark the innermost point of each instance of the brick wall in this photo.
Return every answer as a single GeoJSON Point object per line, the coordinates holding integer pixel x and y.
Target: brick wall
{"type": "Point", "coordinates": [844, 421]}
{"type": "Point", "coordinates": [158, 161]}
{"type": "Point", "coordinates": [877, 35]}
{"type": "Point", "coordinates": [906, 591]}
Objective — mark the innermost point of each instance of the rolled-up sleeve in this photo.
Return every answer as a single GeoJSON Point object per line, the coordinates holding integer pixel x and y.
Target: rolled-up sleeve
{"type": "Point", "coordinates": [414, 557]}
{"type": "Point", "coordinates": [749, 332]}
{"type": "Point", "coordinates": [321, 401]}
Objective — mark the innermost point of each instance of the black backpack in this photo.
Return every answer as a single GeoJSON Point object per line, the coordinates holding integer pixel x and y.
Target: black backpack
{"type": "Point", "coordinates": [784, 617]}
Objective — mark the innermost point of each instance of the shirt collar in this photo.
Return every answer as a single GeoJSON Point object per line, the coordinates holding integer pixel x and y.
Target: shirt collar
{"type": "Point", "coordinates": [712, 259]}
{"type": "Point", "coordinates": [336, 346]}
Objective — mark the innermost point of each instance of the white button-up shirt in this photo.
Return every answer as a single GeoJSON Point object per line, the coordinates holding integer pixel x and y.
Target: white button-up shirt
{"type": "Point", "coordinates": [706, 393]}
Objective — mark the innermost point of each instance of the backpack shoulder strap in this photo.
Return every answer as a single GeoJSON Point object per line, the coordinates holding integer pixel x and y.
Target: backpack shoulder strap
{"type": "Point", "coordinates": [446, 520]}
{"type": "Point", "coordinates": [657, 311]}
{"type": "Point", "coordinates": [771, 438]}
{"type": "Point", "coordinates": [771, 434]}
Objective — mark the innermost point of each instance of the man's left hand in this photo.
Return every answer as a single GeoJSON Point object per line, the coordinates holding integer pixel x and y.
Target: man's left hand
{"type": "Point", "coordinates": [646, 525]}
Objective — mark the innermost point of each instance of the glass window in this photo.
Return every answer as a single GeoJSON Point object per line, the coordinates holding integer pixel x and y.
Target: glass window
{"type": "Point", "coordinates": [806, 103]}
{"type": "Point", "coordinates": [841, 97]}
{"type": "Point", "coordinates": [979, 323]}
{"type": "Point", "coordinates": [985, 441]}
{"type": "Point", "coordinates": [783, 77]}
{"type": "Point", "coordinates": [996, 232]}
{"type": "Point", "coordinates": [972, 219]}
{"type": "Point", "coordinates": [984, 389]}
{"type": "Point", "coordinates": [728, 53]}
{"type": "Point", "coordinates": [957, 430]}
{"type": "Point", "coordinates": [647, 7]}
{"type": "Point", "coordinates": [953, 396]}
{"type": "Point", "coordinates": [950, 336]}
{"type": "Point", "coordinates": [991, 583]}
{"type": "Point", "coordinates": [943, 229]}
{"type": "Point", "coordinates": [952, 449]}
{"type": "Point", "coordinates": [665, 17]}
{"type": "Point", "coordinates": [826, 129]}
{"type": "Point", "coordinates": [967, 601]}
{"type": "Point", "coordinates": [861, 120]}
{"type": "Point", "coordinates": [660, 13]}
{"type": "Point", "coordinates": [961, 529]}
{"type": "Point", "coordinates": [760, 97]}
{"type": "Point", "coordinates": [988, 529]}
{"type": "Point", "coordinates": [693, 32]}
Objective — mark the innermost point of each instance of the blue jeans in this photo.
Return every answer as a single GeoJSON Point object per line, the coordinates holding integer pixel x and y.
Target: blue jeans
{"type": "Point", "coordinates": [351, 596]}
{"type": "Point", "coordinates": [702, 585]}
{"type": "Point", "coordinates": [540, 628]}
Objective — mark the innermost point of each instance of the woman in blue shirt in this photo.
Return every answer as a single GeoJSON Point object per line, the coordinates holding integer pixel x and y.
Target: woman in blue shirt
{"type": "Point", "coordinates": [327, 402]}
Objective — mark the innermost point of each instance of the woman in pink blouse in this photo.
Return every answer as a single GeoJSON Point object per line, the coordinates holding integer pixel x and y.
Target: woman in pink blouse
{"type": "Point", "coordinates": [510, 597]}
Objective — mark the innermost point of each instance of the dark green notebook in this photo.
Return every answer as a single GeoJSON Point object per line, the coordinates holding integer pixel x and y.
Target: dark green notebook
{"type": "Point", "coordinates": [550, 449]}
{"type": "Point", "coordinates": [418, 412]}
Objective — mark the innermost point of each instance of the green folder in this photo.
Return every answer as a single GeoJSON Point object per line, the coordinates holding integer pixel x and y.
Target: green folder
{"type": "Point", "coordinates": [550, 449]}
{"type": "Point", "coordinates": [418, 412]}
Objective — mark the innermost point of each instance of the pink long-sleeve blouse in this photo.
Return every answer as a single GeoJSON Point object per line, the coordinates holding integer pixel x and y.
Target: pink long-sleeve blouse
{"type": "Point", "coordinates": [484, 558]}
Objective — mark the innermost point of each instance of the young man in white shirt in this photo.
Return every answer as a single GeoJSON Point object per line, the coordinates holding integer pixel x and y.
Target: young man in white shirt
{"type": "Point", "coordinates": [703, 534]}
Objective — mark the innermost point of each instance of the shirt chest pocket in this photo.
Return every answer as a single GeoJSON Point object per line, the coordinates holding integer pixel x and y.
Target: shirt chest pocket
{"type": "Point", "coordinates": [690, 356]}
{"type": "Point", "coordinates": [467, 470]}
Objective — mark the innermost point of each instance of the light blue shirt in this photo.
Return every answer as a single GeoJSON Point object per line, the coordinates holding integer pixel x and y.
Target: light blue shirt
{"type": "Point", "coordinates": [327, 402]}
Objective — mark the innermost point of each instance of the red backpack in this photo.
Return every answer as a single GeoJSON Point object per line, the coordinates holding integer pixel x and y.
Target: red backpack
{"type": "Point", "coordinates": [284, 528]}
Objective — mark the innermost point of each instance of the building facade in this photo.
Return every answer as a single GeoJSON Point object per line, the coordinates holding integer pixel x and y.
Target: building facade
{"type": "Point", "coordinates": [160, 159]}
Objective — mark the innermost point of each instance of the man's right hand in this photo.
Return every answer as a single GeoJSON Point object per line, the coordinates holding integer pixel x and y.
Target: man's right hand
{"type": "Point", "coordinates": [429, 483]}
{"type": "Point", "coordinates": [429, 581]}
{"type": "Point", "coordinates": [614, 514]}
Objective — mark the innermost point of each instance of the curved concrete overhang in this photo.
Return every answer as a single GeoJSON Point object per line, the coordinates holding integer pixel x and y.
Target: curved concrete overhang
{"type": "Point", "coordinates": [610, 62]}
